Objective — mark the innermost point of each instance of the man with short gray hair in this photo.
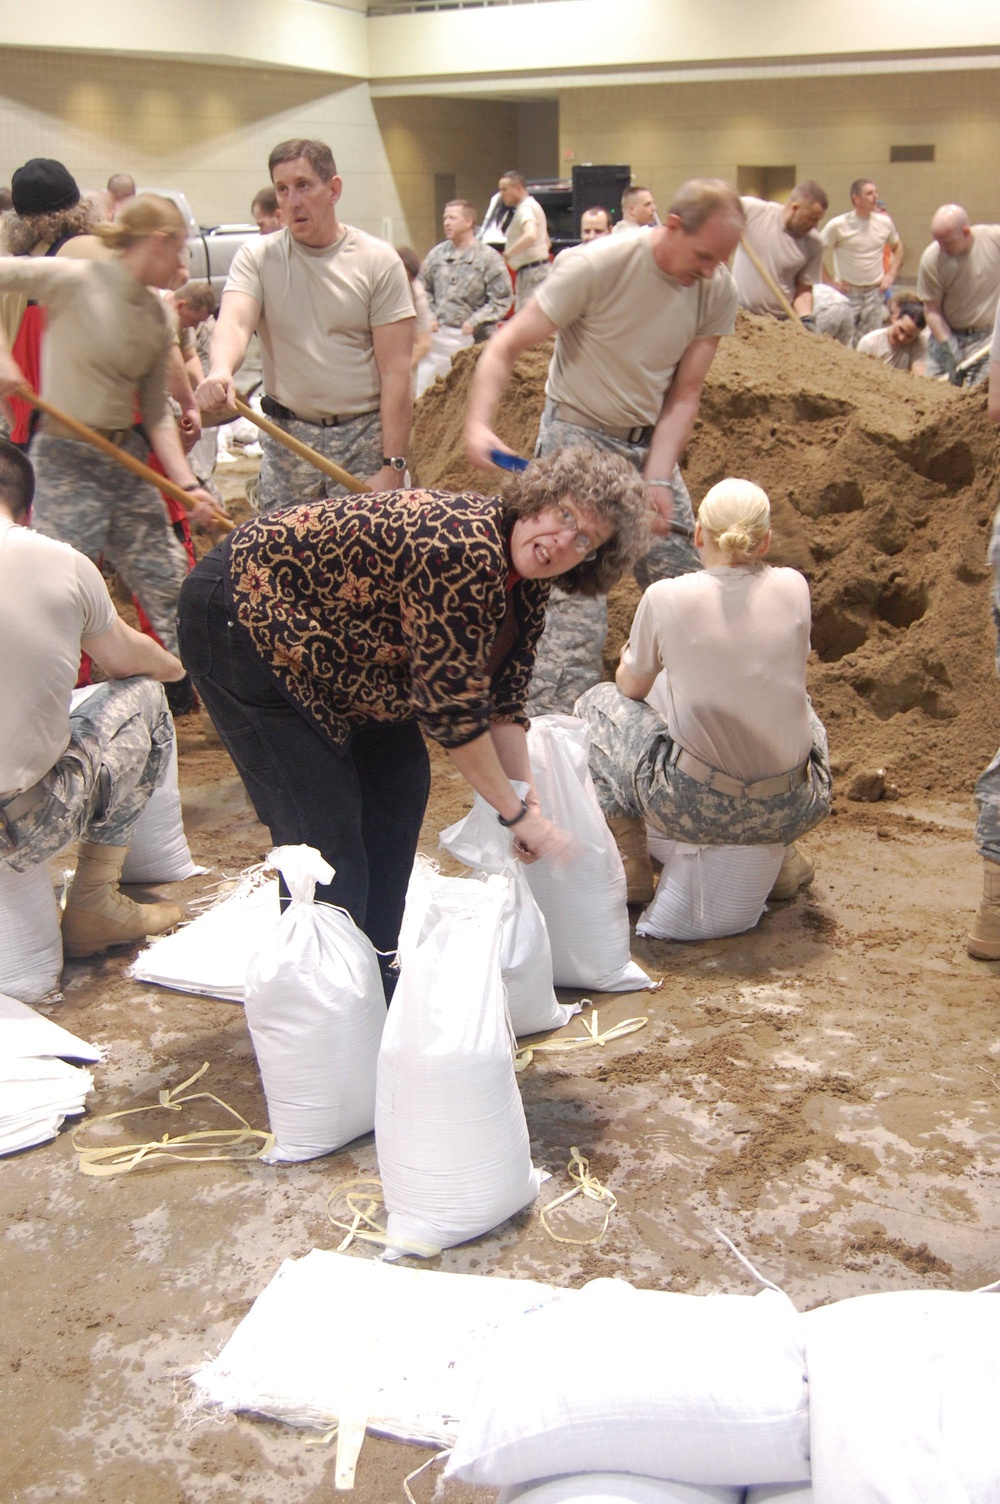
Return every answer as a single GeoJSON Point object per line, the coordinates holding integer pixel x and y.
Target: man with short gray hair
{"type": "Point", "coordinates": [959, 282]}
{"type": "Point", "coordinates": [858, 241]}
{"type": "Point", "coordinates": [637, 320]}
{"type": "Point", "coordinates": [335, 315]}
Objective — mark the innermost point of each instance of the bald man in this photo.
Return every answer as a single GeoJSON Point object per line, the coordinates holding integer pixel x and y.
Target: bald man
{"type": "Point", "coordinates": [959, 282]}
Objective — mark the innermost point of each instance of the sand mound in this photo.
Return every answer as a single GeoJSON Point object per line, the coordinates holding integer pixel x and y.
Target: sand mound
{"type": "Point", "coordinates": [883, 486]}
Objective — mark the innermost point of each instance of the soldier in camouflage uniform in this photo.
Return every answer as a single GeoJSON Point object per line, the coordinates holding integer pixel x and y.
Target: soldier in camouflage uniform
{"type": "Point", "coordinates": [984, 937]}
{"type": "Point", "coordinates": [637, 319]}
{"type": "Point", "coordinates": [334, 312]}
{"type": "Point", "coordinates": [85, 773]}
{"type": "Point", "coordinates": [467, 284]}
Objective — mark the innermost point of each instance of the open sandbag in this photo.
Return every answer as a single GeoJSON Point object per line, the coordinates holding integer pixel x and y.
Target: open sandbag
{"type": "Point", "coordinates": [315, 1006]}
{"type": "Point", "coordinates": [583, 899]}
{"type": "Point", "coordinates": [704, 1389]}
{"type": "Point", "coordinates": [482, 843]}
{"type": "Point", "coordinates": [31, 955]}
{"type": "Point", "coordinates": [450, 1132]}
{"type": "Point", "coordinates": [707, 891]}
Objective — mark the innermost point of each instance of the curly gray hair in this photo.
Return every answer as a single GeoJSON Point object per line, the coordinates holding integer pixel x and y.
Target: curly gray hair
{"type": "Point", "coordinates": [599, 482]}
{"type": "Point", "coordinates": [20, 233]}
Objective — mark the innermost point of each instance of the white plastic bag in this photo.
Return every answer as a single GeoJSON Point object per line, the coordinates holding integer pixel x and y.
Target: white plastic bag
{"type": "Point", "coordinates": [450, 1132]}
{"type": "Point", "coordinates": [616, 1488]}
{"type": "Point", "coordinates": [583, 899]}
{"type": "Point", "coordinates": [209, 956]}
{"type": "Point", "coordinates": [903, 1391]}
{"type": "Point", "coordinates": [31, 955]}
{"type": "Point", "coordinates": [316, 1008]}
{"type": "Point", "coordinates": [159, 851]}
{"type": "Point", "coordinates": [708, 891]}
{"type": "Point", "coordinates": [703, 1389]}
{"type": "Point", "coordinates": [780, 1493]}
{"type": "Point", "coordinates": [483, 844]}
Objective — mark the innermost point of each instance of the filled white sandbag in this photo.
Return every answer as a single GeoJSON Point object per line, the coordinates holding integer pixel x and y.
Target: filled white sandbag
{"type": "Point", "coordinates": [903, 1394]}
{"type": "Point", "coordinates": [210, 955]}
{"type": "Point", "coordinates": [616, 1488]}
{"type": "Point", "coordinates": [705, 1389]}
{"type": "Point", "coordinates": [707, 891]}
{"type": "Point", "coordinates": [31, 955]}
{"type": "Point", "coordinates": [583, 899]}
{"type": "Point", "coordinates": [316, 1008]}
{"type": "Point", "coordinates": [159, 851]}
{"type": "Point", "coordinates": [450, 1132]}
{"type": "Point", "coordinates": [482, 843]}
{"type": "Point", "coordinates": [780, 1493]}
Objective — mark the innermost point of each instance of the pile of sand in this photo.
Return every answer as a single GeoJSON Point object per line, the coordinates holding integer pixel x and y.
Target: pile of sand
{"type": "Point", "coordinates": [883, 487]}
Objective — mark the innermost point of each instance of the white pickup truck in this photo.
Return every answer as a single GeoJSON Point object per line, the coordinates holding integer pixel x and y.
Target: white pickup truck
{"type": "Point", "coordinates": [212, 247]}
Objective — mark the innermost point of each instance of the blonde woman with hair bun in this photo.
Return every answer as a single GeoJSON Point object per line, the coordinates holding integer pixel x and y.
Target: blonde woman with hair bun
{"type": "Point", "coordinates": [707, 738]}
{"type": "Point", "coordinates": [106, 349]}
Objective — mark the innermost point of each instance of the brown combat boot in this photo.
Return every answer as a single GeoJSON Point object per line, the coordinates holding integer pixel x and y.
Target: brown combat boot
{"type": "Point", "coordinates": [98, 916]}
{"type": "Point", "coordinates": [984, 937]}
{"type": "Point", "coordinates": [630, 838]}
{"type": "Point", "coordinates": [796, 871]}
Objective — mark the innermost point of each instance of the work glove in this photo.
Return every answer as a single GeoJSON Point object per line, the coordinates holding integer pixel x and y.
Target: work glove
{"type": "Point", "coordinates": [949, 354]}
{"type": "Point", "coordinates": [808, 321]}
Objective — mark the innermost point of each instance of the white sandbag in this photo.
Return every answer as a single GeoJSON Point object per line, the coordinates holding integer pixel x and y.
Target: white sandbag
{"type": "Point", "coordinates": [450, 1133]}
{"type": "Point", "coordinates": [616, 1488]}
{"type": "Point", "coordinates": [210, 955]}
{"type": "Point", "coordinates": [316, 1008]}
{"type": "Point", "coordinates": [24, 1033]}
{"type": "Point", "coordinates": [583, 899]}
{"type": "Point", "coordinates": [31, 955]}
{"type": "Point", "coordinates": [903, 1397]}
{"type": "Point", "coordinates": [482, 843]}
{"type": "Point", "coordinates": [159, 851]}
{"type": "Point", "coordinates": [708, 891]}
{"type": "Point", "coordinates": [36, 1095]}
{"type": "Point", "coordinates": [705, 1389]}
{"type": "Point", "coordinates": [781, 1493]}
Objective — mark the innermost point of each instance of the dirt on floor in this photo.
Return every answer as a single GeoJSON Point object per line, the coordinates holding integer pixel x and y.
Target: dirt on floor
{"type": "Point", "coordinates": [824, 1090]}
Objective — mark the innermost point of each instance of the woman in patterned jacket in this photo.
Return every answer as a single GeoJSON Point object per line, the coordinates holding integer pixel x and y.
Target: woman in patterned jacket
{"type": "Point", "coordinates": [325, 638]}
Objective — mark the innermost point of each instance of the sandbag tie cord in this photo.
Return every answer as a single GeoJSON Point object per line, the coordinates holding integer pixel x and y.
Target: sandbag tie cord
{"type": "Point", "coordinates": [121, 1159]}
{"type": "Point", "coordinates": [586, 1185]}
{"type": "Point", "coordinates": [524, 1057]}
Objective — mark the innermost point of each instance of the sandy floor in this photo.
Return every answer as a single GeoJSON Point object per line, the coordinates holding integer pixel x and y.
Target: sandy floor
{"type": "Point", "coordinates": [825, 1090]}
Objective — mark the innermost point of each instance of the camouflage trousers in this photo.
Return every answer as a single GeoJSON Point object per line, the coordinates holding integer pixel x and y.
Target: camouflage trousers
{"type": "Point", "coordinates": [92, 503]}
{"type": "Point", "coordinates": [527, 282]}
{"type": "Point", "coordinates": [119, 750]}
{"type": "Point", "coordinates": [832, 314]}
{"type": "Point", "coordinates": [631, 763]}
{"type": "Point", "coordinates": [571, 648]}
{"type": "Point", "coordinates": [968, 342]}
{"type": "Point", "coordinates": [355, 445]}
{"type": "Point", "coordinates": [868, 304]}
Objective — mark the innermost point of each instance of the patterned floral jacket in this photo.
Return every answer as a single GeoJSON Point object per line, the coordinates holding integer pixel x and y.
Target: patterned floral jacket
{"type": "Point", "coordinates": [385, 607]}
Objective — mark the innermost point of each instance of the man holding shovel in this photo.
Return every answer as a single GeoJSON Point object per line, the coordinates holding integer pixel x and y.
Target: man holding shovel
{"type": "Point", "coordinates": [959, 282]}
{"type": "Point", "coordinates": [335, 316]}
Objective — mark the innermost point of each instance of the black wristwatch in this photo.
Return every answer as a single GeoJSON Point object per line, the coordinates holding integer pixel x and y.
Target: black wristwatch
{"type": "Point", "coordinates": [394, 461]}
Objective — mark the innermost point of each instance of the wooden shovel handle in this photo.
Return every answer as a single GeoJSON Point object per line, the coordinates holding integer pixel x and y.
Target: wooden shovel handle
{"type": "Point", "coordinates": [304, 451]}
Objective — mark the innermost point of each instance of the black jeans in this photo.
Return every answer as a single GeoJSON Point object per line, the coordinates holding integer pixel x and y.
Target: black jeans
{"type": "Point", "coordinates": [360, 805]}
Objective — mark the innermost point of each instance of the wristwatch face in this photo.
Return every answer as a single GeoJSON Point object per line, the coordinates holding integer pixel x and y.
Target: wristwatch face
{"type": "Point", "coordinates": [394, 461]}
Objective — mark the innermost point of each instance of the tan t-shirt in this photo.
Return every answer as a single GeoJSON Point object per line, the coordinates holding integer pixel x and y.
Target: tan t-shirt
{"type": "Point", "coordinates": [106, 340]}
{"type": "Point", "coordinates": [902, 357]}
{"type": "Point", "coordinates": [623, 326]}
{"type": "Point", "coordinates": [318, 309]}
{"type": "Point", "coordinates": [529, 211]}
{"type": "Point", "coordinates": [788, 258]}
{"type": "Point", "coordinates": [732, 644]}
{"type": "Point", "coordinates": [857, 246]}
{"type": "Point", "coordinates": [967, 287]}
{"type": "Point", "coordinates": [50, 597]}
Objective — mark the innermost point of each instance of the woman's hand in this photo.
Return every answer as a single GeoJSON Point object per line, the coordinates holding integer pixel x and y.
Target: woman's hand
{"type": "Point", "coordinates": [536, 837]}
{"type": "Point", "coordinates": [205, 510]}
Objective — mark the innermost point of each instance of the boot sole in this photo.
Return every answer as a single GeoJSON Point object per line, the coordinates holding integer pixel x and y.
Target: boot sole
{"type": "Point", "coordinates": [982, 950]}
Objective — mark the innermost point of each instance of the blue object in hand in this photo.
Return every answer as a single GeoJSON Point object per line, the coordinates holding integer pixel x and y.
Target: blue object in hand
{"type": "Point", "coordinates": [507, 461]}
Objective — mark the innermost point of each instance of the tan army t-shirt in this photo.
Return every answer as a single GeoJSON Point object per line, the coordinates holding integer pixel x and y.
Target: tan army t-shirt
{"type": "Point", "coordinates": [318, 309]}
{"type": "Point", "coordinates": [967, 287]}
{"type": "Point", "coordinates": [623, 326]}
{"type": "Point", "coordinates": [788, 258]}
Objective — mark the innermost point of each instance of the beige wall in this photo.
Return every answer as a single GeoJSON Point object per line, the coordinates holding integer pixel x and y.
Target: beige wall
{"type": "Point", "coordinates": [833, 129]}
{"type": "Point", "coordinates": [475, 140]}
{"type": "Point", "coordinates": [206, 130]}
